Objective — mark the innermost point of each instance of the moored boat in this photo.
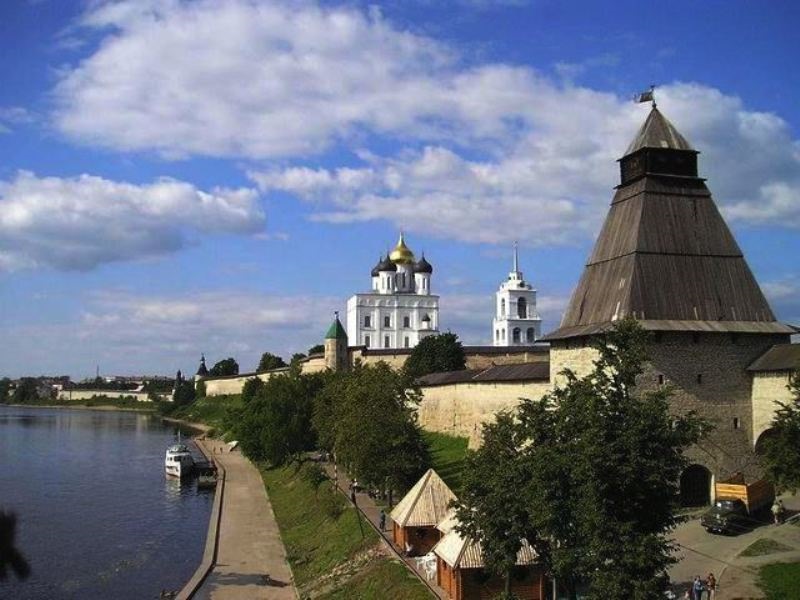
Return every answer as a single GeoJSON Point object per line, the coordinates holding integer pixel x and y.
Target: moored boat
{"type": "Point", "coordinates": [178, 461]}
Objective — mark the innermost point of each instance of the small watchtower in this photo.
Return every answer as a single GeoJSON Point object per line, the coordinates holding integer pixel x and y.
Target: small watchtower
{"type": "Point", "coordinates": [336, 357]}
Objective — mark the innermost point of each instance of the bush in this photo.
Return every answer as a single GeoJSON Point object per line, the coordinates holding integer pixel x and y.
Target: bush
{"type": "Point", "coordinates": [331, 502]}
{"type": "Point", "coordinates": [314, 475]}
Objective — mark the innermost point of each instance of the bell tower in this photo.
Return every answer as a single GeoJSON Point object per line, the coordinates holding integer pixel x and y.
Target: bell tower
{"type": "Point", "coordinates": [516, 322]}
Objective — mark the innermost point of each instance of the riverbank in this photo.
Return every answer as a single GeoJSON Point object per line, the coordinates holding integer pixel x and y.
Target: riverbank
{"type": "Point", "coordinates": [100, 407]}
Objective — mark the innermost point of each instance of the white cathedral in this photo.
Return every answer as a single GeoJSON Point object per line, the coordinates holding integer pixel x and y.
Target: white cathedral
{"type": "Point", "coordinates": [516, 322]}
{"type": "Point", "coordinates": [400, 310]}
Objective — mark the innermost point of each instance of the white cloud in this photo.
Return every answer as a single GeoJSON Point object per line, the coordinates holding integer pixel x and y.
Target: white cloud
{"type": "Point", "coordinates": [507, 152]}
{"type": "Point", "coordinates": [80, 222]}
{"type": "Point", "coordinates": [553, 184]}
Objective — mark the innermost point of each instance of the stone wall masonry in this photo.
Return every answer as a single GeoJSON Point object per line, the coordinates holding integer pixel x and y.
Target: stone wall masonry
{"type": "Point", "coordinates": [461, 409]}
{"type": "Point", "coordinates": [74, 395]}
{"type": "Point", "coordinates": [707, 374]}
{"type": "Point", "coordinates": [769, 387]}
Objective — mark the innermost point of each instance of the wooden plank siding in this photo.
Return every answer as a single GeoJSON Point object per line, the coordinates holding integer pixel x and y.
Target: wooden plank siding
{"type": "Point", "coordinates": [665, 253]}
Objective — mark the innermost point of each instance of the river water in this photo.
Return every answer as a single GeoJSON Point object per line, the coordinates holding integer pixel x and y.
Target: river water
{"type": "Point", "coordinates": [96, 516]}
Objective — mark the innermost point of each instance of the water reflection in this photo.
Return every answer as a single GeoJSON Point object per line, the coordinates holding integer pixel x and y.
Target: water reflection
{"type": "Point", "coordinates": [97, 516]}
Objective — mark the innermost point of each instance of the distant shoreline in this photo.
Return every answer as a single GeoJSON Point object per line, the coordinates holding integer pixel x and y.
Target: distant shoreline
{"type": "Point", "coordinates": [102, 407]}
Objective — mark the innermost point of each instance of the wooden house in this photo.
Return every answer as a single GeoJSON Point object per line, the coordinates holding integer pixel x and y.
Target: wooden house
{"type": "Point", "coordinates": [461, 573]}
{"type": "Point", "coordinates": [415, 517]}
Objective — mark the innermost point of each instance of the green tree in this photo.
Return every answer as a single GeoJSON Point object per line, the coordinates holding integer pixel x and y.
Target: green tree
{"type": "Point", "coordinates": [491, 509]}
{"type": "Point", "coordinates": [200, 389]}
{"type": "Point", "coordinates": [275, 424]}
{"type": "Point", "coordinates": [225, 367]}
{"type": "Point", "coordinates": [782, 447]}
{"type": "Point", "coordinates": [434, 354]}
{"type": "Point", "coordinates": [5, 387]}
{"type": "Point", "coordinates": [27, 391]}
{"type": "Point", "coordinates": [367, 417]}
{"type": "Point", "coordinates": [316, 349]}
{"type": "Point", "coordinates": [251, 389]}
{"type": "Point", "coordinates": [184, 394]}
{"type": "Point", "coordinates": [270, 361]}
{"type": "Point", "coordinates": [603, 461]}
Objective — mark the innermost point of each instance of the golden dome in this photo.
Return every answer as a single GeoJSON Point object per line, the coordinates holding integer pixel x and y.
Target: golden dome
{"type": "Point", "coordinates": [401, 255]}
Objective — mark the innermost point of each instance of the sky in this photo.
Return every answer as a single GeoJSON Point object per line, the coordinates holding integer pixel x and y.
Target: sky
{"type": "Point", "coordinates": [183, 177]}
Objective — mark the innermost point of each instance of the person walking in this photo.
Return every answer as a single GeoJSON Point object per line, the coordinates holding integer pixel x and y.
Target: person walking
{"type": "Point", "coordinates": [697, 588]}
{"type": "Point", "coordinates": [776, 511]}
{"type": "Point", "coordinates": [711, 586]}
{"type": "Point", "coordinates": [382, 520]}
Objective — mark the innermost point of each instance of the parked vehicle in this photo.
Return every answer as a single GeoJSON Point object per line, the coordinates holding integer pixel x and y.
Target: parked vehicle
{"type": "Point", "coordinates": [736, 503]}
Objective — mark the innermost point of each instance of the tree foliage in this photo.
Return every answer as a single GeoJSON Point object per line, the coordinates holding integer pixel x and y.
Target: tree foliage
{"type": "Point", "coordinates": [184, 394]}
{"type": "Point", "coordinates": [251, 389]}
{"type": "Point", "coordinates": [366, 417]}
{"type": "Point", "coordinates": [274, 422]}
{"type": "Point", "coordinates": [225, 367]}
{"type": "Point", "coordinates": [434, 354]}
{"type": "Point", "coordinates": [782, 447]}
{"type": "Point", "coordinates": [5, 388]}
{"type": "Point", "coordinates": [270, 361]}
{"type": "Point", "coordinates": [598, 469]}
{"type": "Point", "coordinates": [491, 509]}
{"type": "Point", "coordinates": [27, 391]}
{"type": "Point", "coordinates": [316, 349]}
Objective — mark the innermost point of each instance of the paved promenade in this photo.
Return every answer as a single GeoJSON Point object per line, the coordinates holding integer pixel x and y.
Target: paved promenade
{"type": "Point", "coordinates": [251, 560]}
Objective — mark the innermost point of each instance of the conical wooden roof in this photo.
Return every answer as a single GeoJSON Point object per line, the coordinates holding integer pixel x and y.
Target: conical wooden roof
{"type": "Point", "coordinates": [665, 254]}
{"type": "Point", "coordinates": [425, 504]}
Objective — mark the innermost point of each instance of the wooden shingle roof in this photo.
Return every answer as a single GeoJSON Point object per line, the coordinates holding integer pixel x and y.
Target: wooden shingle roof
{"type": "Point", "coordinates": [461, 552]}
{"type": "Point", "coordinates": [781, 357]}
{"type": "Point", "coordinates": [426, 504]}
{"type": "Point", "coordinates": [665, 255]}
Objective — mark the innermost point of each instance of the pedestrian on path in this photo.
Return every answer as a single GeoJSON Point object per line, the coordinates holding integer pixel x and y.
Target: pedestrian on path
{"type": "Point", "coordinates": [382, 520]}
{"type": "Point", "coordinates": [777, 511]}
{"type": "Point", "coordinates": [353, 495]}
{"type": "Point", "coordinates": [697, 588]}
{"type": "Point", "coordinates": [711, 586]}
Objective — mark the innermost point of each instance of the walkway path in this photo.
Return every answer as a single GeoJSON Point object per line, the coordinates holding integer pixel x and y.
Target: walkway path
{"type": "Point", "coordinates": [370, 511]}
{"type": "Point", "coordinates": [702, 552]}
{"type": "Point", "coordinates": [251, 560]}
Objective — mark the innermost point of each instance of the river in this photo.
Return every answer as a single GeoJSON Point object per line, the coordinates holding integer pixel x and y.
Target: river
{"type": "Point", "coordinates": [96, 516]}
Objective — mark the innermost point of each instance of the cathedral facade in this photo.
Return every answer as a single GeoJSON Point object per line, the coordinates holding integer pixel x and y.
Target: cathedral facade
{"type": "Point", "coordinates": [400, 308]}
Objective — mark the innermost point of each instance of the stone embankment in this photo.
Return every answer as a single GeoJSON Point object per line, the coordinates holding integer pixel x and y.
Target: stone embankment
{"type": "Point", "coordinates": [249, 557]}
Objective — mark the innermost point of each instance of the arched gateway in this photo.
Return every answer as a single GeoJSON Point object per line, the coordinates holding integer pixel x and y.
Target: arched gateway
{"type": "Point", "coordinates": [695, 486]}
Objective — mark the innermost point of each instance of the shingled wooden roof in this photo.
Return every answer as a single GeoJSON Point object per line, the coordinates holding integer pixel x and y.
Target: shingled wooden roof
{"type": "Point", "coordinates": [781, 357]}
{"type": "Point", "coordinates": [666, 257]}
{"type": "Point", "coordinates": [425, 504]}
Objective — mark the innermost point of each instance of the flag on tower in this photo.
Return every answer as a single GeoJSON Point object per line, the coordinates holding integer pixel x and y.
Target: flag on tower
{"type": "Point", "coordinates": [645, 96]}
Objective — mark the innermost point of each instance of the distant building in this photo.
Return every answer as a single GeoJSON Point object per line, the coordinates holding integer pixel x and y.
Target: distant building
{"type": "Point", "coordinates": [516, 322]}
{"type": "Point", "coordinates": [400, 309]}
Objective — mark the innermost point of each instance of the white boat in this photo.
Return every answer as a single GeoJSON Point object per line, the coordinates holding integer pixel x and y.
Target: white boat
{"type": "Point", "coordinates": [178, 462]}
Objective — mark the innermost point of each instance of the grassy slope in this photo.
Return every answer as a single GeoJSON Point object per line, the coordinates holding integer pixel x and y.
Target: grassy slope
{"type": "Point", "coordinates": [209, 410]}
{"type": "Point", "coordinates": [780, 581]}
{"type": "Point", "coordinates": [315, 543]}
{"type": "Point", "coordinates": [375, 582]}
{"type": "Point", "coordinates": [447, 455]}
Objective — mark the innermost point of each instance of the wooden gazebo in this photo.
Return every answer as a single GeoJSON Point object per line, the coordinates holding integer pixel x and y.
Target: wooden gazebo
{"type": "Point", "coordinates": [415, 517]}
{"type": "Point", "coordinates": [461, 573]}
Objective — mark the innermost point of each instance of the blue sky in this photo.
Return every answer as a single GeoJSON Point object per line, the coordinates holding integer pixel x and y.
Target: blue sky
{"type": "Point", "coordinates": [181, 177]}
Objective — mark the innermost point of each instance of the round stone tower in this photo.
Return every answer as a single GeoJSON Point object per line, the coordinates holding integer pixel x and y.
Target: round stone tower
{"type": "Point", "coordinates": [336, 356]}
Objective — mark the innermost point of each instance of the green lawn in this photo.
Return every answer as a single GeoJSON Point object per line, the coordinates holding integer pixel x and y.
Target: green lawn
{"type": "Point", "coordinates": [780, 581]}
{"type": "Point", "coordinates": [447, 455]}
{"type": "Point", "coordinates": [764, 546]}
{"type": "Point", "coordinates": [374, 582]}
{"type": "Point", "coordinates": [315, 543]}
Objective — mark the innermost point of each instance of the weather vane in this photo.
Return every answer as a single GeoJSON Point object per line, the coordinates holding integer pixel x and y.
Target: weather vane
{"type": "Point", "coordinates": [648, 96]}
